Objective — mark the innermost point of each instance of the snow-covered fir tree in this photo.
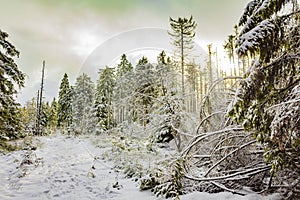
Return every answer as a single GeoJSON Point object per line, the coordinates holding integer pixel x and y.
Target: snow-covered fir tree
{"type": "Point", "coordinates": [45, 113]}
{"type": "Point", "coordinates": [124, 75]}
{"type": "Point", "coordinates": [167, 110]}
{"type": "Point", "coordinates": [145, 91]}
{"type": "Point", "coordinates": [64, 113]}
{"type": "Point", "coordinates": [83, 121]}
{"type": "Point", "coordinates": [10, 77]}
{"type": "Point", "coordinates": [104, 97]}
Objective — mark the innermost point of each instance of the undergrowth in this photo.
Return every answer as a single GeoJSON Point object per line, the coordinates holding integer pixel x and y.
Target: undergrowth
{"type": "Point", "coordinates": [154, 166]}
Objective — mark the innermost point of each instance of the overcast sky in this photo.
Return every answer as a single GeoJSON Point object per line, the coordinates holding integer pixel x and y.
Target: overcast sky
{"type": "Point", "coordinates": [65, 32]}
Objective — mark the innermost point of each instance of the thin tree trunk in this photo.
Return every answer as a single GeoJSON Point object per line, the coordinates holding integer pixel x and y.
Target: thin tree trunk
{"type": "Point", "coordinates": [39, 104]}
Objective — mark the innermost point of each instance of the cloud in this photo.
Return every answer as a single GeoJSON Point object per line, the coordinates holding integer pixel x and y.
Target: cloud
{"type": "Point", "coordinates": [65, 32]}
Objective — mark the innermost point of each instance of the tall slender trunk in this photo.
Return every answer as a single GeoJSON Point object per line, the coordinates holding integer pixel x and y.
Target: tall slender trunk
{"type": "Point", "coordinates": [182, 60]}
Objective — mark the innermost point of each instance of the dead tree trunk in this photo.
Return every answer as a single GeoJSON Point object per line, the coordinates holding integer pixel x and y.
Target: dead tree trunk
{"type": "Point", "coordinates": [39, 125]}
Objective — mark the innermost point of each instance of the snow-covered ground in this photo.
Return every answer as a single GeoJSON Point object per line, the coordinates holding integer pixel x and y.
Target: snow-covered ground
{"type": "Point", "coordinates": [65, 167]}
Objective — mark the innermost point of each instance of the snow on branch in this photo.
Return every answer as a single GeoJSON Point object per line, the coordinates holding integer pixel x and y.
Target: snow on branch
{"type": "Point", "coordinates": [240, 174]}
{"type": "Point", "coordinates": [251, 6]}
{"type": "Point", "coordinates": [250, 40]}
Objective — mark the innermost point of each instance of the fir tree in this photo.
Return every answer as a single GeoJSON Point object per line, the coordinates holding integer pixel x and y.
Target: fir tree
{"type": "Point", "coordinates": [83, 121]}
{"type": "Point", "coordinates": [64, 111]}
{"type": "Point", "coordinates": [124, 66]}
{"type": "Point", "coordinates": [45, 113]}
{"type": "Point", "coordinates": [10, 76]}
{"type": "Point", "coordinates": [123, 85]}
{"type": "Point", "coordinates": [28, 116]}
{"type": "Point", "coordinates": [145, 90]}
{"type": "Point", "coordinates": [192, 76]}
{"type": "Point", "coordinates": [168, 105]}
{"type": "Point", "coordinates": [142, 61]}
{"type": "Point", "coordinates": [53, 114]}
{"type": "Point", "coordinates": [161, 58]}
{"type": "Point", "coordinates": [267, 101]}
{"type": "Point", "coordinates": [229, 45]}
{"type": "Point", "coordinates": [104, 96]}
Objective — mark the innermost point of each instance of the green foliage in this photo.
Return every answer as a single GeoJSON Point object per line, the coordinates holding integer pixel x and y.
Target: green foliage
{"type": "Point", "coordinates": [10, 76]}
{"type": "Point", "coordinates": [50, 116]}
{"type": "Point", "coordinates": [28, 116]}
{"type": "Point", "coordinates": [53, 114]}
{"type": "Point", "coordinates": [183, 32]}
{"type": "Point", "coordinates": [143, 61]}
{"type": "Point", "coordinates": [129, 155]}
{"type": "Point", "coordinates": [150, 181]}
{"type": "Point", "coordinates": [124, 66]}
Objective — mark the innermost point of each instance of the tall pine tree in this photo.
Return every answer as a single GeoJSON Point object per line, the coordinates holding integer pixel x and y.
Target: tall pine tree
{"type": "Point", "coordinates": [10, 77]}
{"type": "Point", "coordinates": [183, 33]}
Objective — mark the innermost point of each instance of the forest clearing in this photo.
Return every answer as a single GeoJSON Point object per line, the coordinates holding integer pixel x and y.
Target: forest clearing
{"type": "Point", "coordinates": [69, 167]}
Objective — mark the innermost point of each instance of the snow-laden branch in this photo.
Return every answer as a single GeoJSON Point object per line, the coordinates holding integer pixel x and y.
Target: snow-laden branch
{"type": "Point", "coordinates": [242, 174]}
{"type": "Point", "coordinates": [202, 136]}
{"type": "Point", "coordinates": [232, 152]}
{"type": "Point", "coordinates": [283, 103]}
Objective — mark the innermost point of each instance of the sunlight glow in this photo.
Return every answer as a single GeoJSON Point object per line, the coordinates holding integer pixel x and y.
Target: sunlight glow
{"type": "Point", "coordinates": [85, 41]}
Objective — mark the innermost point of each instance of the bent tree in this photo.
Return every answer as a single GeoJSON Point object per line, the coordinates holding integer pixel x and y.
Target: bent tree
{"type": "Point", "coordinates": [10, 76]}
{"type": "Point", "coordinates": [268, 99]}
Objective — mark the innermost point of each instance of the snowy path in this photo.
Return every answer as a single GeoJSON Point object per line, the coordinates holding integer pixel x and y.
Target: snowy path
{"type": "Point", "coordinates": [63, 168]}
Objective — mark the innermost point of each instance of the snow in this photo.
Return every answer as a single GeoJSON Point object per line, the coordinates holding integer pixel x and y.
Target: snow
{"type": "Point", "coordinates": [250, 39]}
{"type": "Point", "coordinates": [68, 167]}
{"type": "Point", "coordinates": [226, 195]}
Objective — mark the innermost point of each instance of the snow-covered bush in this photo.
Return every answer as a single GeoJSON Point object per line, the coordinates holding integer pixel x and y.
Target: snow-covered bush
{"type": "Point", "coordinates": [166, 183]}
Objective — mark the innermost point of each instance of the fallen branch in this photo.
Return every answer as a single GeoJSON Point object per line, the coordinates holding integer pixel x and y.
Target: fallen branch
{"type": "Point", "coordinates": [202, 136]}
{"type": "Point", "coordinates": [245, 173]}
{"type": "Point", "coordinates": [223, 187]}
{"type": "Point", "coordinates": [232, 152]}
